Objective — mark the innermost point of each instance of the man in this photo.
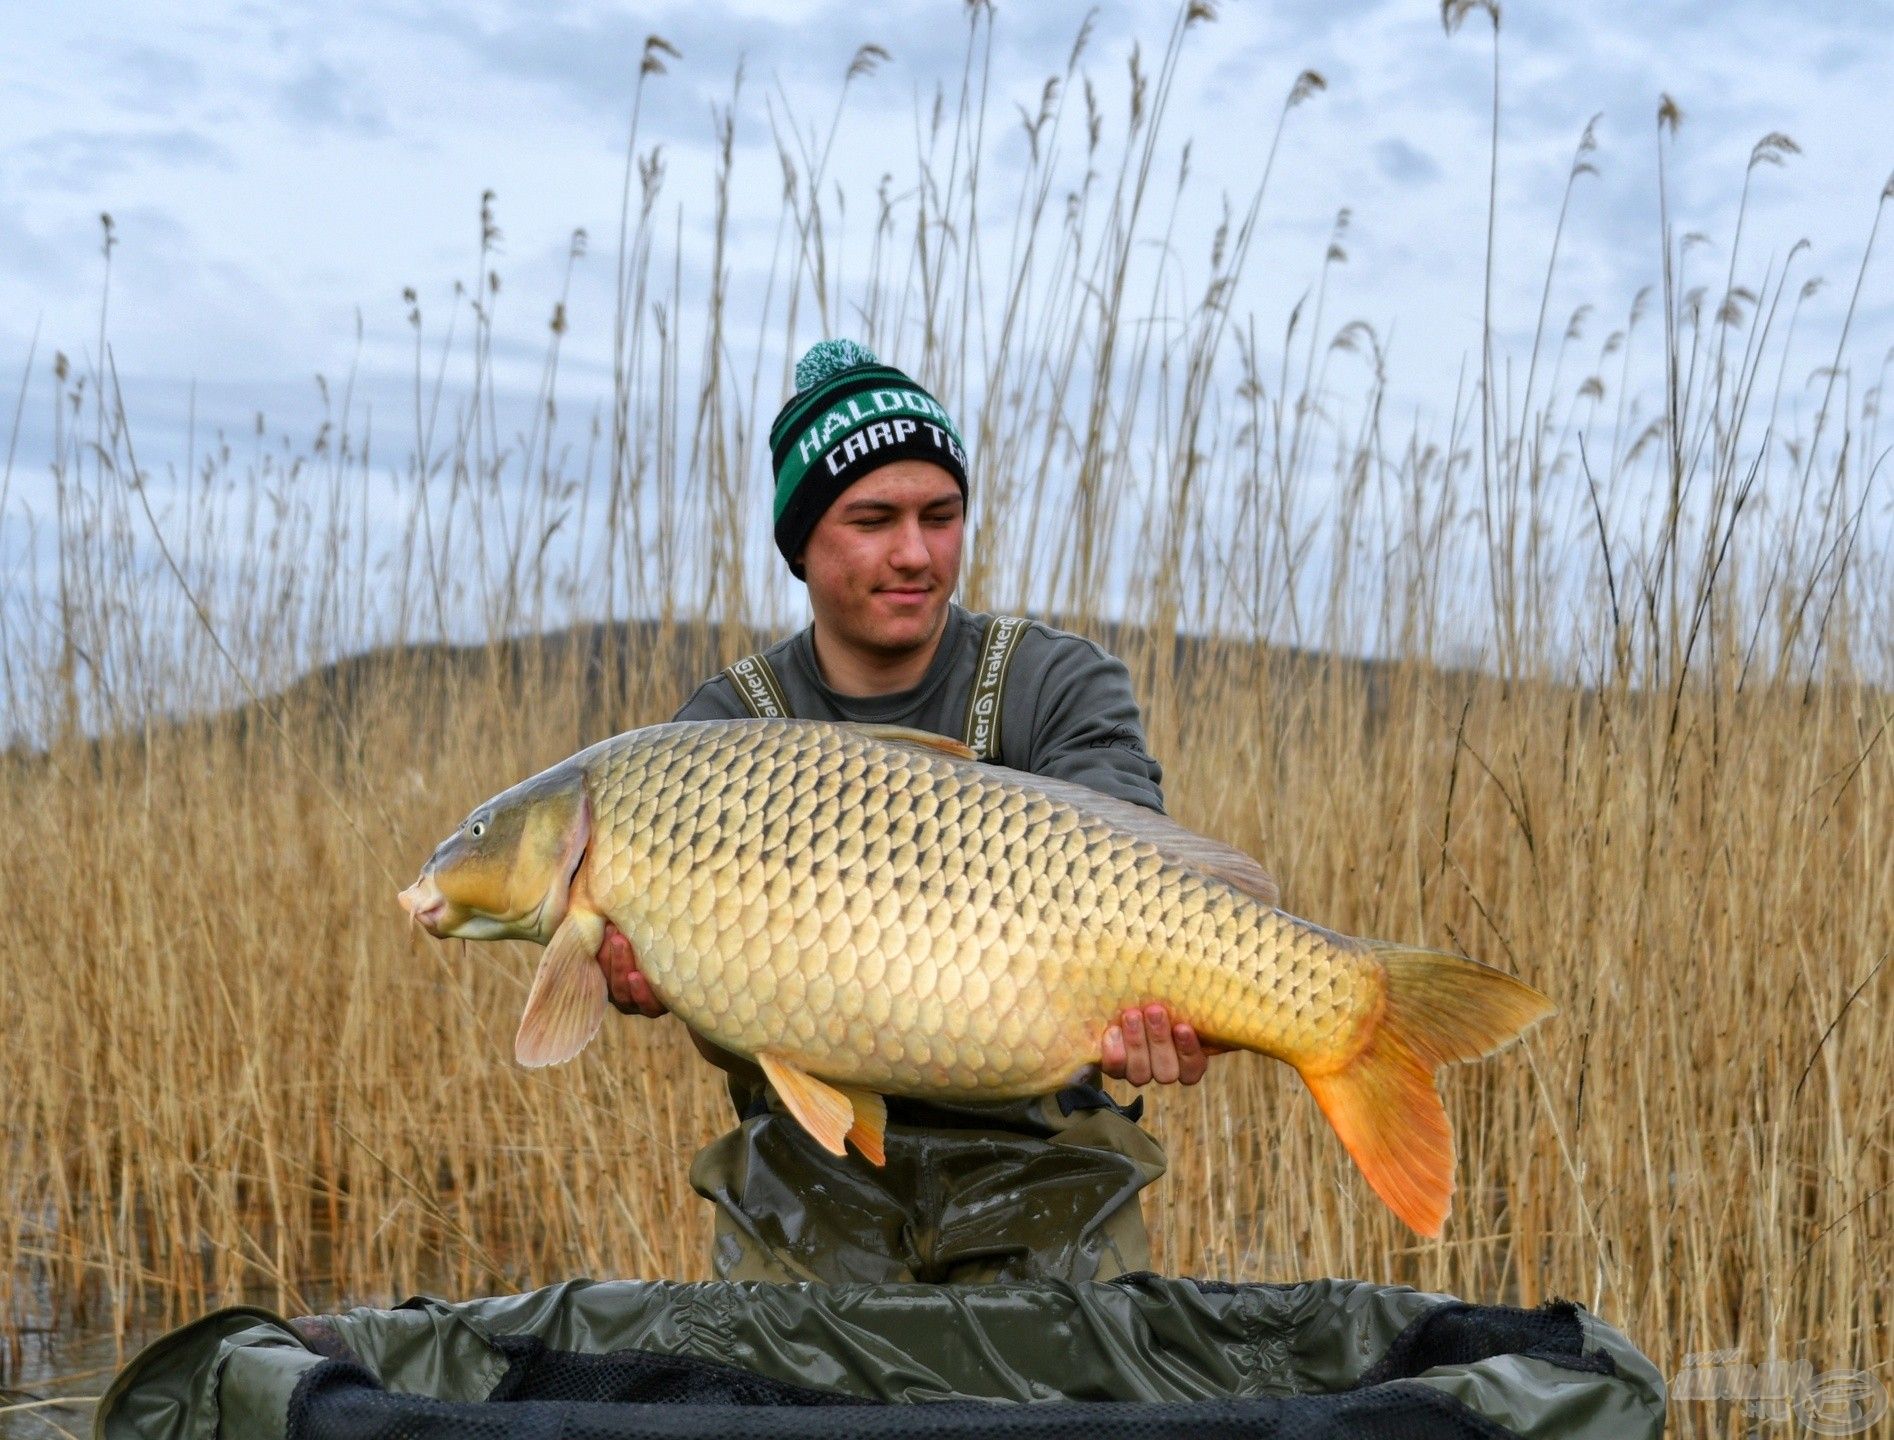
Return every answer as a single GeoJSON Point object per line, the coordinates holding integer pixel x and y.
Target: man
{"type": "Point", "coordinates": [871, 489]}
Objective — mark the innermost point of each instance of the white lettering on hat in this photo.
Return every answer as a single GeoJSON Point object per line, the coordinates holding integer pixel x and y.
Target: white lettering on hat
{"type": "Point", "coordinates": [850, 413]}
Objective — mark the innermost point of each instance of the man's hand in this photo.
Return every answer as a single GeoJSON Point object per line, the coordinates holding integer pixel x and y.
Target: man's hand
{"type": "Point", "coordinates": [630, 991]}
{"type": "Point", "coordinates": [1144, 1046]}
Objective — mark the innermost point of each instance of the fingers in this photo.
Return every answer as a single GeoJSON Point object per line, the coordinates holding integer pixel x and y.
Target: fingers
{"type": "Point", "coordinates": [1125, 1053]}
{"type": "Point", "coordinates": [645, 999]}
{"type": "Point", "coordinates": [629, 990]}
{"type": "Point", "coordinates": [1111, 1057]}
{"type": "Point", "coordinates": [614, 958]}
{"type": "Point", "coordinates": [1191, 1059]}
{"type": "Point", "coordinates": [1144, 1046]}
{"type": "Point", "coordinates": [1164, 1064]}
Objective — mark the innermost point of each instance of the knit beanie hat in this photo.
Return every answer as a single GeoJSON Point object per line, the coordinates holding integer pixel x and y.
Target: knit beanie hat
{"type": "Point", "coordinates": [850, 415]}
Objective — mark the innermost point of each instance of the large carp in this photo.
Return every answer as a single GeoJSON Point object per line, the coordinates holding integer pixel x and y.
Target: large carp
{"type": "Point", "coordinates": [869, 911]}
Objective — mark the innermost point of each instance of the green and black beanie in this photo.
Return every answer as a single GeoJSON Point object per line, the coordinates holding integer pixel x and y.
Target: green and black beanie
{"type": "Point", "coordinates": [850, 415]}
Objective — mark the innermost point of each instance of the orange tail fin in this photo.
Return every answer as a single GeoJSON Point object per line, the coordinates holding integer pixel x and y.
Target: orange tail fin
{"type": "Point", "coordinates": [1440, 1009]}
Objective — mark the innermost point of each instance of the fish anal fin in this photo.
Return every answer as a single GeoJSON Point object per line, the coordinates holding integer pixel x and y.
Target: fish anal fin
{"type": "Point", "coordinates": [567, 1003]}
{"type": "Point", "coordinates": [906, 735]}
{"type": "Point", "coordinates": [821, 1109]}
{"type": "Point", "coordinates": [1382, 1101]}
{"type": "Point", "coordinates": [871, 1124]}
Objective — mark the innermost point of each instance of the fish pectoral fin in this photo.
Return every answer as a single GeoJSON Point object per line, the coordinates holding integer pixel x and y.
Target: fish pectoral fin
{"type": "Point", "coordinates": [871, 1123]}
{"type": "Point", "coordinates": [567, 1003]}
{"type": "Point", "coordinates": [906, 735]}
{"type": "Point", "coordinates": [824, 1111]}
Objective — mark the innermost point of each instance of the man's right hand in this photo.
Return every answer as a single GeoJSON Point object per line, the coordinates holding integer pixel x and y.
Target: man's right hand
{"type": "Point", "coordinates": [624, 981]}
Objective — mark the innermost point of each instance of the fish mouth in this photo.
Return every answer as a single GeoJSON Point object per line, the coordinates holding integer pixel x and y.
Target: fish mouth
{"type": "Point", "coordinates": [425, 905]}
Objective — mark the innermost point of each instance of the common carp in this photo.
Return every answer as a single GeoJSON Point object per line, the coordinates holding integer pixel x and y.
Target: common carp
{"type": "Point", "coordinates": [867, 911]}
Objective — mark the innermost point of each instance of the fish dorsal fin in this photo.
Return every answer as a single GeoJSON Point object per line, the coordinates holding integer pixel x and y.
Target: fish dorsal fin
{"type": "Point", "coordinates": [905, 735]}
{"type": "Point", "coordinates": [825, 1112]}
{"type": "Point", "coordinates": [567, 1003]}
{"type": "Point", "coordinates": [1174, 842]}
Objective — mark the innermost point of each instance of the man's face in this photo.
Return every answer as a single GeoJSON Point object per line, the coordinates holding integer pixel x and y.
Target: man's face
{"type": "Point", "coordinates": [883, 560]}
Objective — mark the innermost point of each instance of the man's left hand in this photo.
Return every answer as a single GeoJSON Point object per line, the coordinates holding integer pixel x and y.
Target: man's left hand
{"type": "Point", "coordinates": [1144, 1046]}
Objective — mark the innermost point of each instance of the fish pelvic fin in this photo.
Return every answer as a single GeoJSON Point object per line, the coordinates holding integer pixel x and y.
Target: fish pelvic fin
{"type": "Point", "coordinates": [1439, 1010]}
{"type": "Point", "coordinates": [833, 1114]}
{"type": "Point", "coordinates": [821, 1109]}
{"type": "Point", "coordinates": [871, 1124]}
{"type": "Point", "coordinates": [567, 1003]}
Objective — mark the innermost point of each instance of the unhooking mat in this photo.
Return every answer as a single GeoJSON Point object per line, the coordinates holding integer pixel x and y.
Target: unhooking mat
{"type": "Point", "coordinates": [1140, 1356]}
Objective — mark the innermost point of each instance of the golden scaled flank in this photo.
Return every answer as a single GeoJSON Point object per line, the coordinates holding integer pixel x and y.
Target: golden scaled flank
{"type": "Point", "coordinates": [893, 917]}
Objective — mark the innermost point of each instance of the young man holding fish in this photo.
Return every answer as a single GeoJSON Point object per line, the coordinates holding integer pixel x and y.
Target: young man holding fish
{"type": "Point", "coordinates": [922, 954]}
{"type": "Point", "coordinates": [870, 514]}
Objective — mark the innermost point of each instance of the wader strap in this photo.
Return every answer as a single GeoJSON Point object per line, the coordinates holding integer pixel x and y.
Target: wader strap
{"type": "Point", "coordinates": [756, 685]}
{"type": "Point", "coordinates": [982, 730]}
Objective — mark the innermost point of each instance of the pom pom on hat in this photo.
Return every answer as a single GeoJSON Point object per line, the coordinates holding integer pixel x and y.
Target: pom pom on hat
{"type": "Point", "coordinates": [830, 357]}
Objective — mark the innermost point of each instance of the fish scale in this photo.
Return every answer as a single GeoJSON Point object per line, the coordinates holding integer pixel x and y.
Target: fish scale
{"type": "Point", "coordinates": [870, 911]}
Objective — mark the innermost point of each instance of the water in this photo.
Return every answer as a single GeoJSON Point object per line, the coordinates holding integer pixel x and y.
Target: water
{"type": "Point", "coordinates": [60, 1363]}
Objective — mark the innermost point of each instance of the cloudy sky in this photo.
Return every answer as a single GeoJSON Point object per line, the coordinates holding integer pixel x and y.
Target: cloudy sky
{"type": "Point", "coordinates": [276, 171]}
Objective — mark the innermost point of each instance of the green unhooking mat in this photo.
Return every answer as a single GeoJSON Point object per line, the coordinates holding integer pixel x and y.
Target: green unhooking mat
{"type": "Point", "coordinates": [1140, 1356]}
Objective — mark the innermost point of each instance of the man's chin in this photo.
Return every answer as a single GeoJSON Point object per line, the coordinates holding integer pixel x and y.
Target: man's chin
{"type": "Point", "coordinates": [903, 627]}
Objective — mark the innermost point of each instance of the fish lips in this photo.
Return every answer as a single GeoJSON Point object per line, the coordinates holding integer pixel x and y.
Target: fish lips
{"type": "Point", "coordinates": [445, 920]}
{"type": "Point", "coordinates": [429, 908]}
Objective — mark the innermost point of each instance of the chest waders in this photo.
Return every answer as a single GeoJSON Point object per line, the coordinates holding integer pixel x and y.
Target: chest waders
{"type": "Point", "coordinates": [1038, 1189]}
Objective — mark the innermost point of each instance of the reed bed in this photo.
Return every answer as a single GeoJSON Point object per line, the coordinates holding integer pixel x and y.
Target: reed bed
{"type": "Point", "coordinates": [1586, 683]}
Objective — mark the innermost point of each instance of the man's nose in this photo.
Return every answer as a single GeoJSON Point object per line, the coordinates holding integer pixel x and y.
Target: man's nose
{"type": "Point", "coordinates": [910, 550]}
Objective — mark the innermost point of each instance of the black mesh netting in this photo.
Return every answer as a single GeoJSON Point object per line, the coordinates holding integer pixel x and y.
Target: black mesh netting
{"type": "Point", "coordinates": [629, 1394]}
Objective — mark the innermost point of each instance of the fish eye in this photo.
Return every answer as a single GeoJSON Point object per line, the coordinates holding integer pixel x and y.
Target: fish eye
{"type": "Point", "coordinates": [477, 828]}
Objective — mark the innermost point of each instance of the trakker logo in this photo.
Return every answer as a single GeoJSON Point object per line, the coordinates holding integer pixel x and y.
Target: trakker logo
{"type": "Point", "coordinates": [758, 691]}
{"type": "Point", "coordinates": [983, 707]}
